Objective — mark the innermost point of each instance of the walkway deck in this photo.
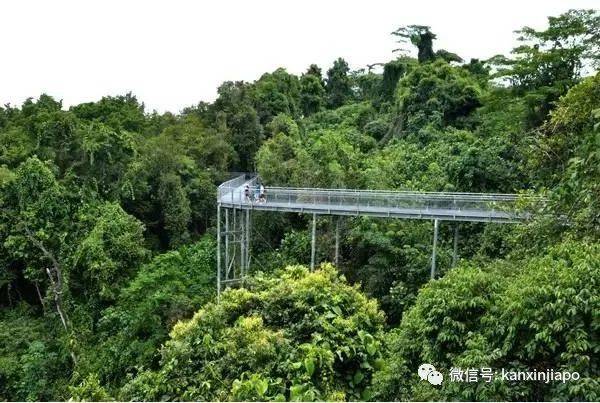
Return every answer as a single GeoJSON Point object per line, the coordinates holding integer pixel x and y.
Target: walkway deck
{"type": "Point", "coordinates": [233, 258]}
{"type": "Point", "coordinates": [476, 207]}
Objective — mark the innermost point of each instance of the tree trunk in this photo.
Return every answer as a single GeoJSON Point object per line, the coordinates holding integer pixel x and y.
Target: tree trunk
{"type": "Point", "coordinates": [56, 282]}
{"type": "Point", "coordinates": [39, 294]}
{"type": "Point", "coordinates": [8, 294]}
{"type": "Point", "coordinates": [57, 292]}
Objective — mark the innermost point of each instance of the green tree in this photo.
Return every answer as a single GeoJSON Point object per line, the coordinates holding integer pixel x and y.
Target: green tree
{"type": "Point", "coordinates": [276, 93]}
{"type": "Point", "coordinates": [122, 112]}
{"type": "Point", "coordinates": [338, 84]}
{"type": "Point", "coordinates": [89, 390]}
{"type": "Point", "coordinates": [419, 36]}
{"type": "Point", "coordinates": [277, 160]}
{"type": "Point", "coordinates": [499, 317]}
{"type": "Point", "coordinates": [316, 71]}
{"type": "Point", "coordinates": [34, 361]}
{"type": "Point", "coordinates": [178, 193]}
{"type": "Point", "coordinates": [392, 72]}
{"type": "Point", "coordinates": [106, 154]}
{"type": "Point", "coordinates": [312, 94]}
{"type": "Point", "coordinates": [551, 61]}
{"type": "Point", "coordinates": [566, 157]}
{"type": "Point", "coordinates": [175, 208]}
{"type": "Point", "coordinates": [108, 254]}
{"type": "Point", "coordinates": [246, 135]}
{"type": "Point", "coordinates": [38, 234]}
{"type": "Point", "coordinates": [235, 114]}
{"type": "Point", "coordinates": [171, 287]}
{"type": "Point", "coordinates": [297, 336]}
{"type": "Point", "coordinates": [436, 94]}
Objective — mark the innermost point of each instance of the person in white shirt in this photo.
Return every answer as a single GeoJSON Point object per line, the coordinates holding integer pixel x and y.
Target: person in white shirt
{"type": "Point", "coordinates": [247, 194]}
{"type": "Point", "coordinates": [263, 195]}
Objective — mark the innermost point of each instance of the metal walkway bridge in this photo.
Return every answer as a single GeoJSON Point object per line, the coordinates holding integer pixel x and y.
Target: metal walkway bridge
{"type": "Point", "coordinates": [235, 231]}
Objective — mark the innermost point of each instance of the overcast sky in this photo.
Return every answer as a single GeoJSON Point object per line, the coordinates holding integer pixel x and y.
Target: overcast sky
{"type": "Point", "coordinates": [174, 53]}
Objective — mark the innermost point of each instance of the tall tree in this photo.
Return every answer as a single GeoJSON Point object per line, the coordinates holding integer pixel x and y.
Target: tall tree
{"type": "Point", "coordinates": [236, 115]}
{"type": "Point", "coordinates": [421, 37]}
{"type": "Point", "coordinates": [122, 112]}
{"type": "Point", "coordinates": [392, 73]}
{"type": "Point", "coordinates": [40, 224]}
{"type": "Point", "coordinates": [339, 87]}
{"type": "Point", "coordinates": [316, 71]}
{"type": "Point", "coordinates": [549, 62]}
{"type": "Point", "coordinates": [275, 93]}
{"type": "Point", "coordinates": [312, 93]}
{"type": "Point", "coordinates": [436, 94]}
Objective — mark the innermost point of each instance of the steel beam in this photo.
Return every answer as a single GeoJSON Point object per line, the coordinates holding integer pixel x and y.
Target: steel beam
{"type": "Point", "coordinates": [418, 214]}
{"type": "Point", "coordinates": [227, 243]}
{"type": "Point", "coordinates": [247, 263]}
{"type": "Point", "coordinates": [242, 239]}
{"type": "Point", "coordinates": [455, 247]}
{"type": "Point", "coordinates": [235, 240]}
{"type": "Point", "coordinates": [313, 244]}
{"type": "Point", "coordinates": [337, 241]}
{"type": "Point", "coordinates": [436, 226]}
{"type": "Point", "coordinates": [218, 252]}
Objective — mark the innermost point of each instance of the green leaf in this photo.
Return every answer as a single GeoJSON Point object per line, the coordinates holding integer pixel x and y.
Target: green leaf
{"type": "Point", "coordinates": [309, 365]}
{"type": "Point", "coordinates": [296, 392]}
{"type": "Point", "coordinates": [358, 377]}
{"type": "Point", "coordinates": [261, 386]}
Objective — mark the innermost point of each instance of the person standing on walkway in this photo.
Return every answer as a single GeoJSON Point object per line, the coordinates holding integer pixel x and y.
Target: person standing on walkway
{"type": "Point", "coordinates": [263, 195]}
{"type": "Point", "coordinates": [257, 192]}
{"type": "Point", "coordinates": [247, 194]}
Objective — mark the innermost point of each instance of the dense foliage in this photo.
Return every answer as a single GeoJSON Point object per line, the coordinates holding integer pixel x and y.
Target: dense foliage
{"type": "Point", "coordinates": [107, 224]}
{"type": "Point", "coordinates": [300, 336]}
{"type": "Point", "coordinates": [544, 315]}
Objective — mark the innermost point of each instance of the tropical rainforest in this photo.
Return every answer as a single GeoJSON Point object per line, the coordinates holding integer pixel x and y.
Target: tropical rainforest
{"type": "Point", "coordinates": [108, 233]}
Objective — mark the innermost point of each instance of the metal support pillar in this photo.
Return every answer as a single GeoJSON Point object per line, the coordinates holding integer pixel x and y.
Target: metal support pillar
{"type": "Point", "coordinates": [233, 241]}
{"type": "Point", "coordinates": [247, 263]}
{"type": "Point", "coordinates": [234, 261]}
{"type": "Point", "coordinates": [218, 252]}
{"type": "Point", "coordinates": [313, 244]}
{"type": "Point", "coordinates": [455, 248]}
{"type": "Point", "coordinates": [226, 243]}
{"type": "Point", "coordinates": [242, 241]}
{"type": "Point", "coordinates": [337, 241]}
{"type": "Point", "coordinates": [436, 226]}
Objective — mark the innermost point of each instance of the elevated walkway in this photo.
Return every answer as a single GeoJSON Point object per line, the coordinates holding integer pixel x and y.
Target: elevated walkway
{"type": "Point", "coordinates": [479, 207]}
{"type": "Point", "coordinates": [435, 206]}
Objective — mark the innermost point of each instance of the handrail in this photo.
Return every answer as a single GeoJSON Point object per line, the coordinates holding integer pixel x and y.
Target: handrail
{"type": "Point", "coordinates": [507, 196]}
{"type": "Point", "coordinates": [359, 200]}
{"type": "Point", "coordinates": [387, 193]}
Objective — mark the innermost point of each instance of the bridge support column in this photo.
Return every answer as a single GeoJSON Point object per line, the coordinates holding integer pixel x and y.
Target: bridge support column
{"type": "Point", "coordinates": [218, 252]}
{"type": "Point", "coordinates": [247, 262]}
{"type": "Point", "coordinates": [313, 244]}
{"type": "Point", "coordinates": [436, 226]}
{"type": "Point", "coordinates": [233, 247]}
{"type": "Point", "coordinates": [337, 241]}
{"type": "Point", "coordinates": [242, 241]}
{"type": "Point", "coordinates": [455, 248]}
{"type": "Point", "coordinates": [226, 243]}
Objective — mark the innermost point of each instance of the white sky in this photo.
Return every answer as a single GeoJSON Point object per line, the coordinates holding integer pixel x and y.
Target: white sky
{"type": "Point", "coordinates": [174, 53]}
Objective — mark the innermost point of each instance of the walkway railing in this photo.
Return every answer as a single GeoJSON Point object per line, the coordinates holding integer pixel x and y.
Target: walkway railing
{"type": "Point", "coordinates": [232, 190]}
{"type": "Point", "coordinates": [435, 206]}
{"type": "Point", "coordinates": [443, 205]}
{"type": "Point", "coordinates": [393, 200]}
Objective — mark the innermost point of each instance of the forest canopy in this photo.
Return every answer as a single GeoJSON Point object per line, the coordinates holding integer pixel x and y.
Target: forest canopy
{"type": "Point", "coordinates": [108, 233]}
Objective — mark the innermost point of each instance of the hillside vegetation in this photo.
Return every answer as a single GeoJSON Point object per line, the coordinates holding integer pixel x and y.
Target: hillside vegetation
{"type": "Point", "coordinates": [108, 216]}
